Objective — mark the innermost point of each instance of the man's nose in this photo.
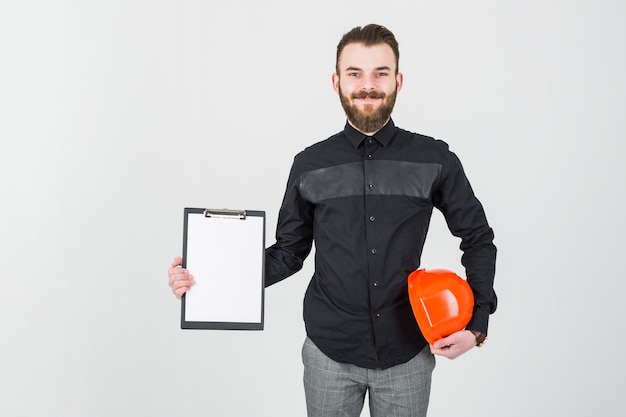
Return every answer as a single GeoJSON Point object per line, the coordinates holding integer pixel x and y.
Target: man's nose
{"type": "Point", "coordinates": [368, 82]}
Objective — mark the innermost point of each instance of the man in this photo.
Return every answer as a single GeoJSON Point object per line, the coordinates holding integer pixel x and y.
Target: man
{"type": "Point", "coordinates": [365, 196]}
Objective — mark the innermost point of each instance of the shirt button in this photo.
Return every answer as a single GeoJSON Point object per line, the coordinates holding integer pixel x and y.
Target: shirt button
{"type": "Point", "coordinates": [374, 251]}
{"type": "Point", "coordinates": [377, 315]}
{"type": "Point", "coordinates": [375, 284]}
{"type": "Point", "coordinates": [370, 140]}
{"type": "Point", "coordinates": [370, 156]}
{"type": "Point", "coordinates": [371, 186]}
{"type": "Point", "coordinates": [372, 218]}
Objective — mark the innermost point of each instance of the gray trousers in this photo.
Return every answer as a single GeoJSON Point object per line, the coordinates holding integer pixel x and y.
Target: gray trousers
{"type": "Point", "coordinates": [334, 389]}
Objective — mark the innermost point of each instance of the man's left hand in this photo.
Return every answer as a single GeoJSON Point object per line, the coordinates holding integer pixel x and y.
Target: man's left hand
{"type": "Point", "coordinates": [454, 345]}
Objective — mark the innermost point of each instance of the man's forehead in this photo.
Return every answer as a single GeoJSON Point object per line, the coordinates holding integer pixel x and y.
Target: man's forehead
{"type": "Point", "coordinates": [358, 55]}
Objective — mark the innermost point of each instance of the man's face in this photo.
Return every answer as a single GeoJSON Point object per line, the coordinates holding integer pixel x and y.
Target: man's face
{"type": "Point", "coordinates": [367, 85]}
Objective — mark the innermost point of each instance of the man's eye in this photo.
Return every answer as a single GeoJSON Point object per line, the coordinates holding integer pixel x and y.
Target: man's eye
{"type": "Point", "coordinates": [353, 74]}
{"type": "Point", "coordinates": [383, 74]}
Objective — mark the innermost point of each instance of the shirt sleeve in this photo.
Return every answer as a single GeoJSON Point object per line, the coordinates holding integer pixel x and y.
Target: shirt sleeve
{"type": "Point", "coordinates": [466, 219]}
{"type": "Point", "coordinates": [294, 233]}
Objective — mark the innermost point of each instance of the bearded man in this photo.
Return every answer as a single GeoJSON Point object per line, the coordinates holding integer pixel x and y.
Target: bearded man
{"type": "Point", "coordinates": [365, 197]}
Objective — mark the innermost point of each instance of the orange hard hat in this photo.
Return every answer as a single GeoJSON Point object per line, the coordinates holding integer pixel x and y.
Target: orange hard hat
{"type": "Point", "coordinates": [442, 302]}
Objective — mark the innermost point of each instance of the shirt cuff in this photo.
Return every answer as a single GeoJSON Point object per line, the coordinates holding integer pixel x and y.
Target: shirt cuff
{"type": "Point", "coordinates": [479, 321]}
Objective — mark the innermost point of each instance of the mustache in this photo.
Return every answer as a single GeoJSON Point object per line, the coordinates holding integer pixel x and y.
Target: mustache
{"type": "Point", "coordinates": [368, 94]}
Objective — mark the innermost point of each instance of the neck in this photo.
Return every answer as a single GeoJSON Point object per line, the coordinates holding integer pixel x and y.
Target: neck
{"type": "Point", "coordinates": [368, 133]}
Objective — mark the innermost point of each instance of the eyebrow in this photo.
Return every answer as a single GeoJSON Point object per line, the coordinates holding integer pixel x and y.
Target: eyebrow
{"type": "Point", "coordinates": [383, 68]}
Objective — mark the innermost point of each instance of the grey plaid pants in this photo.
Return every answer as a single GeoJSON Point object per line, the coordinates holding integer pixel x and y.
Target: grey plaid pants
{"type": "Point", "coordinates": [334, 389]}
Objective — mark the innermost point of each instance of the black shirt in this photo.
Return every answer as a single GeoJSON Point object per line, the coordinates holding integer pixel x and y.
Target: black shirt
{"type": "Point", "coordinates": [366, 202]}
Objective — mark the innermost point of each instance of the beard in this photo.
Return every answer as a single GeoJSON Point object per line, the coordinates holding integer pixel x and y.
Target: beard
{"type": "Point", "coordinates": [369, 120]}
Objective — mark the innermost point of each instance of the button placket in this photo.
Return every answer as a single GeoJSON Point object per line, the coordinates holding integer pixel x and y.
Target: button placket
{"type": "Point", "coordinates": [370, 147]}
{"type": "Point", "coordinates": [370, 185]}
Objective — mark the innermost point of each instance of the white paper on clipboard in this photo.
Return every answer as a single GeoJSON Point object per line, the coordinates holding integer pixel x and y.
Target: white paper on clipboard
{"type": "Point", "coordinates": [224, 251]}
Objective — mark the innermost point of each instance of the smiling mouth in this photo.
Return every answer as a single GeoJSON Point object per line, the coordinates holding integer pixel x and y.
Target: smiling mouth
{"type": "Point", "coordinates": [368, 96]}
{"type": "Point", "coordinates": [367, 102]}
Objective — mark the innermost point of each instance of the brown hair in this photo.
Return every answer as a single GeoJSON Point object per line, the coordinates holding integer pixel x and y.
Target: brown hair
{"type": "Point", "coordinates": [369, 35]}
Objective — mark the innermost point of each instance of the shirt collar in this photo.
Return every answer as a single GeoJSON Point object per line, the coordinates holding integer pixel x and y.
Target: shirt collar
{"type": "Point", "coordinates": [383, 136]}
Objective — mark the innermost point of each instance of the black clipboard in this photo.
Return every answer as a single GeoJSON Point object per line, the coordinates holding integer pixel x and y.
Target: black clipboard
{"type": "Point", "coordinates": [224, 250]}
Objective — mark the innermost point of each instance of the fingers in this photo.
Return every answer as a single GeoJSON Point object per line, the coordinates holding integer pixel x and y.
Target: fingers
{"type": "Point", "coordinates": [180, 280]}
{"type": "Point", "coordinates": [179, 291]}
{"type": "Point", "coordinates": [176, 272]}
{"type": "Point", "coordinates": [445, 342]}
{"type": "Point", "coordinates": [454, 345]}
{"type": "Point", "coordinates": [449, 351]}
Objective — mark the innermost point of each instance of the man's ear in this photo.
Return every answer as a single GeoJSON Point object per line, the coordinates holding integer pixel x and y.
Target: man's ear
{"type": "Point", "coordinates": [335, 79]}
{"type": "Point", "coordinates": [399, 80]}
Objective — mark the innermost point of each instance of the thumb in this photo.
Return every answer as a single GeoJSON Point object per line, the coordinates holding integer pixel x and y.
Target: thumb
{"type": "Point", "coordinates": [177, 261]}
{"type": "Point", "coordinates": [441, 343]}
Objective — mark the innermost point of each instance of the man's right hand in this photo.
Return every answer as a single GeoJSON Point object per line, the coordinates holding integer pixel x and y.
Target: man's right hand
{"type": "Point", "coordinates": [180, 279]}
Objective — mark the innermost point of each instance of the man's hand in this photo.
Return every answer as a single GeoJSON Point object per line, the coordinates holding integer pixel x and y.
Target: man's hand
{"type": "Point", "coordinates": [179, 278]}
{"type": "Point", "coordinates": [454, 345]}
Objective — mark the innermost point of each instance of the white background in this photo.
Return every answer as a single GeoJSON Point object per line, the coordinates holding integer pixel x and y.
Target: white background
{"type": "Point", "coordinates": [115, 115]}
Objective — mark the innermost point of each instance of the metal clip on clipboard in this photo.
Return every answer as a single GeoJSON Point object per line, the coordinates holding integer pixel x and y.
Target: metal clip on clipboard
{"type": "Point", "coordinates": [225, 213]}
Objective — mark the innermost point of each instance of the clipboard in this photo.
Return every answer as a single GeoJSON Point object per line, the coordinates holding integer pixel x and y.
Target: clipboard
{"type": "Point", "coordinates": [224, 250]}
